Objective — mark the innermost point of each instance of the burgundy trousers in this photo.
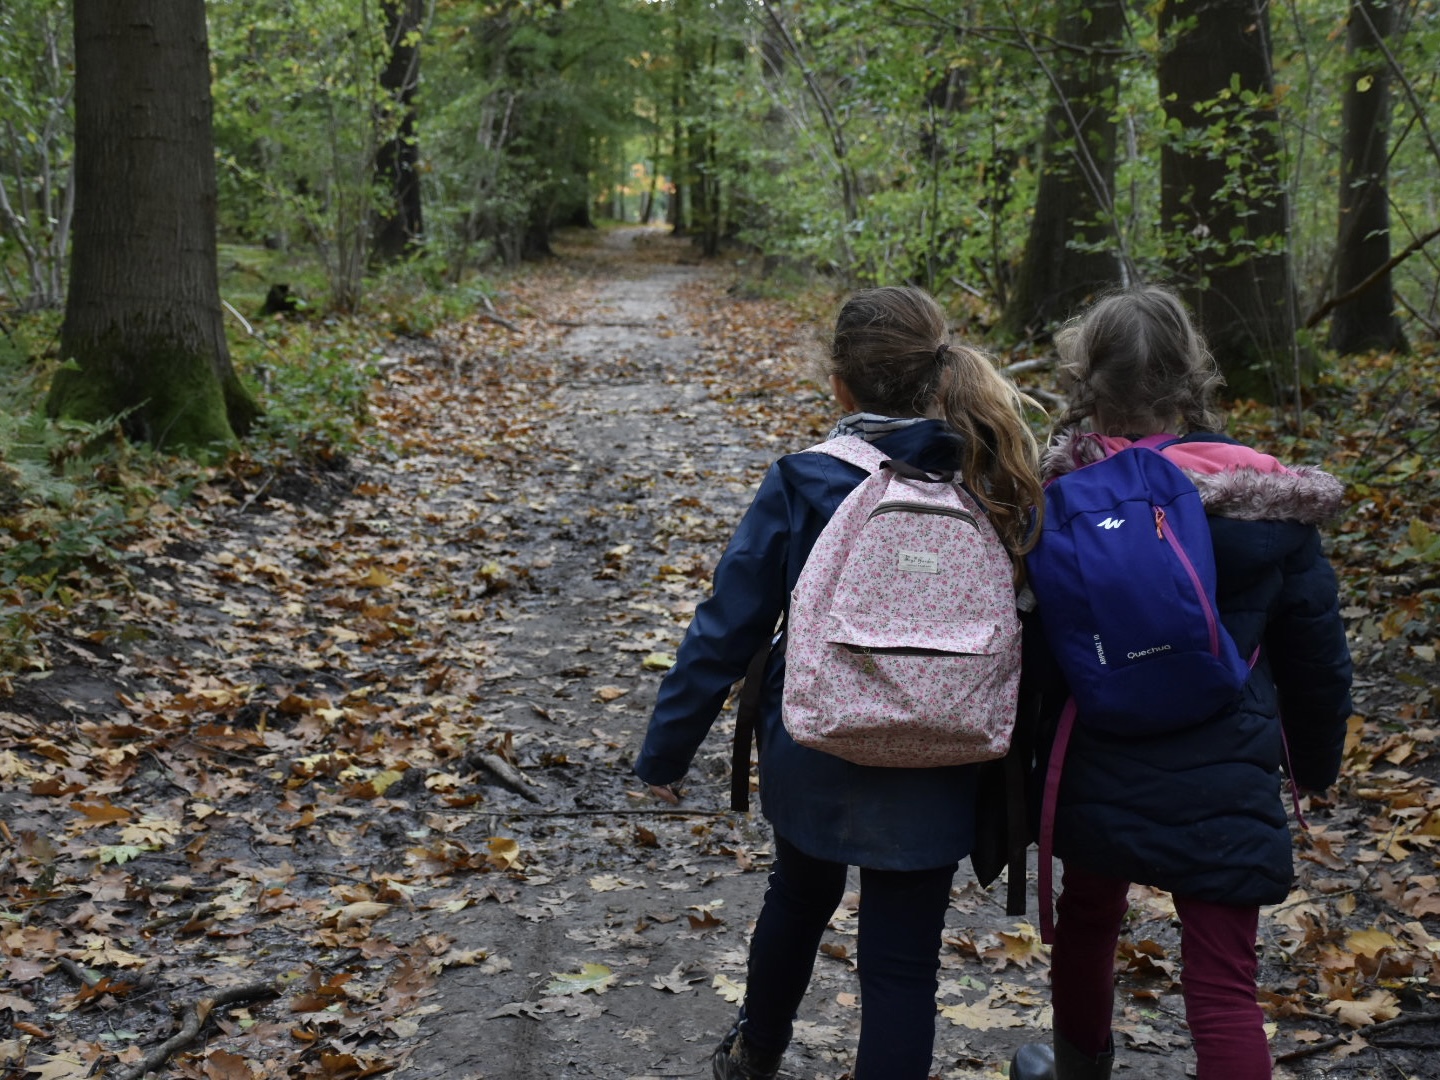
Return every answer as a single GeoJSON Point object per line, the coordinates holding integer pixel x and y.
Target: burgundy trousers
{"type": "Point", "coordinates": [1218, 967]}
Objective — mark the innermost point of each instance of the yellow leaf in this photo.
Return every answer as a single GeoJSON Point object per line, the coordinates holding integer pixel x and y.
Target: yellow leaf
{"type": "Point", "coordinates": [375, 578]}
{"type": "Point", "coordinates": [610, 693]}
{"type": "Point", "coordinates": [728, 988]}
{"type": "Point", "coordinates": [982, 1016]}
{"type": "Point", "coordinates": [1370, 942]}
{"type": "Point", "coordinates": [658, 661]}
{"type": "Point", "coordinates": [60, 1067]}
{"type": "Point", "coordinates": [98, 951]}
{"type": "Point", "coordinates": [1380, 1005]}
{"type": "Point", "coordinates": [596, 977]}
{"type": "Point", "coordinates": [1363, 84]}
{"type": "Point", "coordinates": [504, 852]}
{"type": "Point", "coordinates": [383, 780]}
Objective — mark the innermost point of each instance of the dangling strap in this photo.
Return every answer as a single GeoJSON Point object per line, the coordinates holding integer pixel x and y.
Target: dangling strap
{"type": "Point", "coordinates": [1047, 821]}
{"type": "Point", "coordinates": [747, 712]}
{"type": "Point", "coordinates": [1290, 779]}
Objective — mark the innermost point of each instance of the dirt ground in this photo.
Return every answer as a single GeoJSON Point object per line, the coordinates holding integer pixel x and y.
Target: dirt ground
{"type": "Point", "coordinates": [388, 714]}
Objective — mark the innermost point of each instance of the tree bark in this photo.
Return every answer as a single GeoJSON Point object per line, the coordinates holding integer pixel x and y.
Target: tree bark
{"type": "Point", "coordinates": [400, 229]}
{"type": "Point", "coordinates": [1222, 195]}
{"type": "Point", "coordinates": [1067, 258]}
{"type": "Point", "coordinates": [1368, 320]}
{"type": "Point", "coordinates": [143, 323]}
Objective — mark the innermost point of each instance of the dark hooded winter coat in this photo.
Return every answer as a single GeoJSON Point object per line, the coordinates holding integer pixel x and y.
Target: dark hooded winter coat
{"type": "Point", "coordinates": [883, 818]}
{"type": "Point", "coordinates": [1201, 812]}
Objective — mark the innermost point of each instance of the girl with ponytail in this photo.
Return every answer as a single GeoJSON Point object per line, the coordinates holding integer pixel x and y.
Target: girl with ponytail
{"type": "Point", "coordinates": [943, 407]}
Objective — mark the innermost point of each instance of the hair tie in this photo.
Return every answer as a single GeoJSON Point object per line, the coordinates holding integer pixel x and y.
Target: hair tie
{"type": "Point", "coordinates": [941, 351]}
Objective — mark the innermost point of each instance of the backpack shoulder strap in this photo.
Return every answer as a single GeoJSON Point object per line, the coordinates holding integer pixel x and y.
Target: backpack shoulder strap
{"type": "Point", "coordinates": [1156, 442]}
{"type": "Point", "coordinates": [851, 449]}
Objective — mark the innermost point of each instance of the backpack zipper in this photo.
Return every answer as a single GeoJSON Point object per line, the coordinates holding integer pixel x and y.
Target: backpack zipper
{"type": "Point", "coordinates": [924, 508]}
{"type": "Point", "coordinates": [1165, 533]}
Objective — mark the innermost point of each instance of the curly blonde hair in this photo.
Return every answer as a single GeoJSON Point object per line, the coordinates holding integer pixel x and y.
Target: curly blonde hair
{"type": "Point", "coordinates": [891, 348]}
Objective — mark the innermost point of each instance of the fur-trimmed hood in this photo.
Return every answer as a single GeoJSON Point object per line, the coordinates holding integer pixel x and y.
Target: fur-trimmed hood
{"type": "Point", "coordinates": [1234, 481]}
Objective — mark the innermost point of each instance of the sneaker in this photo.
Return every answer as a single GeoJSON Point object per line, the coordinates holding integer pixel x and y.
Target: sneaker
{"type": "Point", "coordinates": [735, 1060]}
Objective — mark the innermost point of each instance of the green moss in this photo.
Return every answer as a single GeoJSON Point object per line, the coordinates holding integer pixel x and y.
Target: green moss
{"type": "Point", "coordinates": [164, 395]}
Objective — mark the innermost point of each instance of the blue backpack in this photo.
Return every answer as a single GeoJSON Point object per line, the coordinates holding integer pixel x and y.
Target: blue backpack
{"type": "Point", "coordinates": [1124, 580]}
{"type": "Point", "coordinates": [1124, 576]}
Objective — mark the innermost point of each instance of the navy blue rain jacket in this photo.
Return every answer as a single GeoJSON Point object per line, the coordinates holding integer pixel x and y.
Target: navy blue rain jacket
{"type": "Point", "coordinates": [883, 818]}
{"type": "Point", "coordinates": [1202, 812]}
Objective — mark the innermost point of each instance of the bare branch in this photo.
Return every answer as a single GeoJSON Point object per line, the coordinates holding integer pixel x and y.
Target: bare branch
{"type": "Point", "coordinates": [1395, 260]}
{"type": "Point", "coordinates": [195, 1018]}
{"type": "Point", "coordinates": [827, 113]}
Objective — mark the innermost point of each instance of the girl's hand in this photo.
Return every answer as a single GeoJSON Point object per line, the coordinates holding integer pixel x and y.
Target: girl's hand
{"type": "Point", "coordinates": [665, 793]}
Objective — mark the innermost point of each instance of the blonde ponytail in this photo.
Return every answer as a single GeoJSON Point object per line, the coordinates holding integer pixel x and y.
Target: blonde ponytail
{"type": "Point", "coordinates": [1001, 460]}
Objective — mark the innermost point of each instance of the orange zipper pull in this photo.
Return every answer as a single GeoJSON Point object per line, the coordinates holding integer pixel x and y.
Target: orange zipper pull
{"type": "Point", "coordinates": [1159, 523]}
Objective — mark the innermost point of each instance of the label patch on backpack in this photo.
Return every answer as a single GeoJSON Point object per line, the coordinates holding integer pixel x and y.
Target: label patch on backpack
{"type": "Point", "coordinates": [919, 562]}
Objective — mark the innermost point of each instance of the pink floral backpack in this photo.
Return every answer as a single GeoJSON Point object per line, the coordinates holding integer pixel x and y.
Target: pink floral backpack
{"type": "Point", "coordinates": [903, 640]}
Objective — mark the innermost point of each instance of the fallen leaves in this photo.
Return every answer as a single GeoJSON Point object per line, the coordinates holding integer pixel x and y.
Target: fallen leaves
{"type": "Point", "coordinates": [592, 978]}
{"type": "Point", "coordinates": [370, 685]}
{"type": "Point", "coordinates": [983, 1015]}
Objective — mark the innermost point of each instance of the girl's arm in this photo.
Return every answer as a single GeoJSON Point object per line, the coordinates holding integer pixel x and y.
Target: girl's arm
{"type": "Point", "coordinates": [725, 633]}
{"type": "Point", "coordinates": [1310, 659]}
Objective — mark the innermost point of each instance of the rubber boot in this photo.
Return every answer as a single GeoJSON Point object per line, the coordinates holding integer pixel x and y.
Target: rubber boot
{"type": "Point", "coordinates": [1071, 1064]}
{"type": "Point", "coordinates": [735, 1060]}
{"type": "Point", "coordinates": [1036, 1061]}
{"type": "Point", "coordinates": [1033, 1061]}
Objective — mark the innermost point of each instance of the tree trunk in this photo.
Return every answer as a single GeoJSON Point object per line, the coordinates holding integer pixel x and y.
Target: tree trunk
{"type": "Point", "coordinates": [1070, 252]}
{"type": "Point", "coordinates": [143, 323]}
{"type": "Point", "coordinates": [1368, 321]}
{"type": "Point", "coordinates": [399, 230]}
{"type": "Point", "coordinates": [1222, 193]}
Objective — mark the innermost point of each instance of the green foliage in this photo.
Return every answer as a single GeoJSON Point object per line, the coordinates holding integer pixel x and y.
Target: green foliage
{"type": "Point", "coordinates": [72, 496]}
{"type": "Point", "coordinates": [299, 117]}
{"type": "Point", "coordinates": [526, 104]}
{"type": "Point", "coordinates": [36, 143]}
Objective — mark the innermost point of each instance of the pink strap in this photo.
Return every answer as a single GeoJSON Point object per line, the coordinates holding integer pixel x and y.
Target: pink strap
{"type": "Point", "coordinates": [1047, 821]}
{"type": "Point", "coordinates": [852, 449]}
{"type": "Point", "coordinates": [1290, 776]}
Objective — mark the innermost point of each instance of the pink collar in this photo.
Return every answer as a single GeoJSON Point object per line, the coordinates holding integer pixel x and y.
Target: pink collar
{"type": "Point", "coordinates": [1201, 457]}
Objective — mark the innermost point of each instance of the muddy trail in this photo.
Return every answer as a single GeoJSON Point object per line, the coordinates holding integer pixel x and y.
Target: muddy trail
{"type": "Point", "coordinates": [342, 788]}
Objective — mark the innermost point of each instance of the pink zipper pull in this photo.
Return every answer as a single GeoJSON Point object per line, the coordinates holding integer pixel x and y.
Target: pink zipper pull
{"type": "Point", "coordinates": [1159, 523]}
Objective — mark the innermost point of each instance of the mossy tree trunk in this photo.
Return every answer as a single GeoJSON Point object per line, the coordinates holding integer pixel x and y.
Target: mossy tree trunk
{"type": "Point", "coordinates": [400, 227]}
{"type": "Point", "coordinates": [143, 324]}
{"type": "Point", "coordinates": [1070, 256]}
{"type": "Point", "coordinates": [1367, 321]}
{"type": "Point", "coordinates": [1223, 200]}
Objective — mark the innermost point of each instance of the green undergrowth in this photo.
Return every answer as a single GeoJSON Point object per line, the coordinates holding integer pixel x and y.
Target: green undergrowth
{"type": "Point", "coordinates": [1374, 422]}
{"type": "Point", "coordinates": [72, 497]}
{"type": "Point", "coordinates": [77, 500]}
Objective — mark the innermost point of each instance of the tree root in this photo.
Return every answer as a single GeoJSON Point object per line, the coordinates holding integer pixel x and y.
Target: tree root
{"type": "Point", "coordinates": [195, 1018]}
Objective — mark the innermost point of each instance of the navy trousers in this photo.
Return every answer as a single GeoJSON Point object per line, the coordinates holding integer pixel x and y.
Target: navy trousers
{"type": "Point", "coordinates": [902, 913]}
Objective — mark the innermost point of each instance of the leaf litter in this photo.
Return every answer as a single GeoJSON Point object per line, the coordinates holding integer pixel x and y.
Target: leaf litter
{"type": "Point", "coordinates": [341, 782]}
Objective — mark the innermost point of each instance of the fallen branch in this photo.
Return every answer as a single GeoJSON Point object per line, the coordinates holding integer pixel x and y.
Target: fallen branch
{"type": "Point", "coordinates": [1367, 1031]}
{"type": "Point", "coordinates": [195, 1018]}
{"type": "Point", "coordinates": [1020, 367]}
{"type": "Point", "coordinates": [187, 915]}
{"type": "Point", "coordinates": [508, 776]}
{"type": "Point", "coordinates": [76, 972]}
{"type": "Point", "coordinates": [495, 317]}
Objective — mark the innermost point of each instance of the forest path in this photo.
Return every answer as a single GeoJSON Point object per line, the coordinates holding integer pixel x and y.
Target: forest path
{"type": "Point", "coordinates": [367, 737]}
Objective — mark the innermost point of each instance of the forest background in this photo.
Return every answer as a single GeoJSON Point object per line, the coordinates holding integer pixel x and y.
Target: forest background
{"type": "Point", "coordinates": [219, 220]}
